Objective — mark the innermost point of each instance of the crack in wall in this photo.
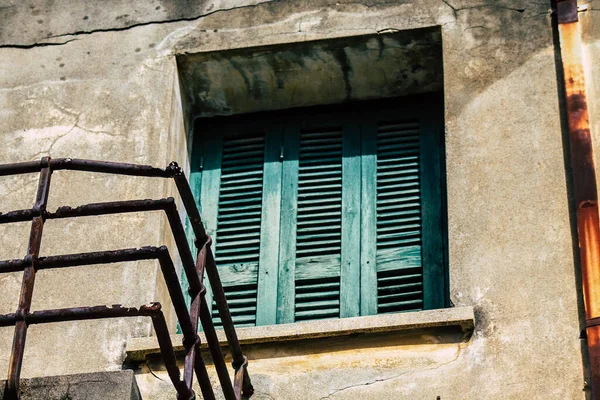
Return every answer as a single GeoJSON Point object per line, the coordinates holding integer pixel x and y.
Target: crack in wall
{"type": "Point", "coordinates": [31, 46]}
{"type": "Point", "coordinates": [456, 10]}
{"type": "Point", "coordinates": [458, 352]}
{"type": "Point", "coordinates": [128, 27]}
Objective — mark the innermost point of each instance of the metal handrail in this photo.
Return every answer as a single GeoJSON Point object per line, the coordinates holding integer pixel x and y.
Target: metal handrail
{"type": "Point", "coordinates": [194, 272]}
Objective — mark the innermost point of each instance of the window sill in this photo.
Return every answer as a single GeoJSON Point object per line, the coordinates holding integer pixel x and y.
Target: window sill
{"type": "Point", "coordinates": [464, 317]}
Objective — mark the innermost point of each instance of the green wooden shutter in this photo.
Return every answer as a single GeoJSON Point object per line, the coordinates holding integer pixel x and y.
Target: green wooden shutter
{"type": "Point", "coordinates": [319, 224]}
{"type": "Point", "coordinates": [326, 216]}
{"type": "Point", "coordinates": [399, 234]}
{"type": "Point", "coordinates": [240, 198]}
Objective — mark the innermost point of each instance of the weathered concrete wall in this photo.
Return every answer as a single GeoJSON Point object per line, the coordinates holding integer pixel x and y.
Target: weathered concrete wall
{"type": "Point", "coordinates": [100, 82]}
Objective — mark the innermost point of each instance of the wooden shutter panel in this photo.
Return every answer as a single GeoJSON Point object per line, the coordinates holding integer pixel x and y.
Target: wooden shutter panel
{"type": "Point", "coordinates": [319, 224]}
{"type": "Point", "coordinates": [399, 232]}
{"type": "Point", "coordinates": [238, 230]}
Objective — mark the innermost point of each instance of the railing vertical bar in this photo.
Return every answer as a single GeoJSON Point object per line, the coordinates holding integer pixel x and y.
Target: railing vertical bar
{"type": "Point", "coordinates": [189, 203]}
{"type": "Point", "coordinates": [193, 360]}
{"type": "Point", "coordinates": [223, 307]}
{"type": "Point", "coordinates": [168, 354]}
{"type": "Point", "coordinates": [211, 269]}
{"type": "Point", "coordinates": [176, 294]}
{"type": "Point", "coordinates": [184, 251]}
{"type": "Point", "coordinates": [33, 251]}
{"type": "Point", "coordinates": [215, 350]}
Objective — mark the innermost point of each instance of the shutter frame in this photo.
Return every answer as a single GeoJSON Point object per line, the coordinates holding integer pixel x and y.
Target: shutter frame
{"type": "Point", "coordinates": [368, 224]}
{"type": "Point", "coordinates": [434, 271]}
{"type": "Point", "coordinates": [351, 214]}
{"type": "Point", "coordinates": [286, 289]}
{"type": "Point", "coordinates": [210, 182]}
{"type": "Point", "coordinates": [268, 264]}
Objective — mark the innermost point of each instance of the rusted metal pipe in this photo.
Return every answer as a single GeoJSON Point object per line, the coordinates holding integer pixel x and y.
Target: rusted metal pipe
{"type": "Point", "coordinates": [167, 205]}
{"type": "Point", "coordinates": [116, 311]}
{"type": "Point", "coordinates": [240, 377]}
{"type": "Point", "coordinates": [35, 241]}
{"type": "Point", "coordinates": [193, 359]}
{"type": "Point", "coordinates": [189, 203]}
{"type": "Point", "coordinates": [75, 164]}
{"type": "Point", "coordinates": [27, 167]}
{"type": "Point", "coordinates": [203, 241]}
{"type": "Point", "coordinates": [113, 256]}
{"type": "Point", "coordinates": [584, 177]}
{"type": "Point", "coordinates": [16, 216]}
{"type": "Point", "coordinates": [188, 321]}
{"type": "Point", "coordinates": [108, 167]}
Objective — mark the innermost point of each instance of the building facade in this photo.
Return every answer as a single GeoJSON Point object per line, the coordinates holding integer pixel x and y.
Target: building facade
{"type": "Point", "coordinates": [387, 183]}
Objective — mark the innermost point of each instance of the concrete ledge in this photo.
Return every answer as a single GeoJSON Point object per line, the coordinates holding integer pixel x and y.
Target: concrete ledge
{"type": "Point", "coordinates": [464, 317]}
{"type": "Point", "coordinates": [116, 385]}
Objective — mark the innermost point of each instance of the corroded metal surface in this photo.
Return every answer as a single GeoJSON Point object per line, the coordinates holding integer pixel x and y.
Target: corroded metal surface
{"type": "Point", "coordinates": [584, 177]}
{"type": "Point", "coordinates": [194, 271]}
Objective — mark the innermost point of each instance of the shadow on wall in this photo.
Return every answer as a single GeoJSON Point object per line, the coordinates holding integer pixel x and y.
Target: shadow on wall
{"type": "Point", "coordinates": [312, 73]}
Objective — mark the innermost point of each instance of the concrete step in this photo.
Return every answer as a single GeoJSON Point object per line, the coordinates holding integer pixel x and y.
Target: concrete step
{"type": "Point", "coordinates": [115, 385]}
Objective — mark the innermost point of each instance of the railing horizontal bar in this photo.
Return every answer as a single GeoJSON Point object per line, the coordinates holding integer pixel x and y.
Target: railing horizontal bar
{"type": "Point", "coordinates": [115, 207]}
{"type": "Point", "coordinates": [108, 167]}
{"type": "Point", "coordinates": [152, 310]}
{"type": "Point", "coordinates": [106, 208]}
{"type": "Point", "coordinates": [79, 314]}
{"type": "Point", "coordinates": [168, 205]}
{"type": "Point", "coordinates": [73, 260]}
{"type": "Point", "coordinates": [20, 168]}
{"type": "Point", "coordinates": [17, 216]}
{"type": "Point", "coordinates": [85, 165]}
{"type": "Point", "coordinates": [107, 257]}
{"type": "Point", "coordinates": [101, 257]}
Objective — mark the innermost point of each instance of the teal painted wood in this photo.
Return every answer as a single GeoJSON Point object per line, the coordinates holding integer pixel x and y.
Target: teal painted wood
{"type": "Point", "coordinates": [318, 267]}
{"type": "Point", "coordinates": [269, 231]}
{"type": "Point", "coordinates": [210, 152]}
{"type": "Point", "coordinates": [368, 220]}
{"type": "Point", "coordinates": [287, 236]}
{"type": "Point", "coordinates": [351, 197]}
{"type": "Point", "coordinates": [394, 259]}
{"type": "Point", "coordinates": [237, 250]}
{"type": "Point", "coordinates": [433, 247]}
{"type": "Point", "coordinates": [195, 180]}
{"type": "Point", "coordinates": [399, 245]}
{"type": "Point", "coordinates": [312, 274]}
{"type": "Point", "coordinates": [196, 167]}
{"type": "Point", "coordinates": [319, 223]}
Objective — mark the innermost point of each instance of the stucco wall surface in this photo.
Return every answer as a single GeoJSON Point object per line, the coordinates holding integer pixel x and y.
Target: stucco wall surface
{"type": "Point", "coordinates": [89, 81]}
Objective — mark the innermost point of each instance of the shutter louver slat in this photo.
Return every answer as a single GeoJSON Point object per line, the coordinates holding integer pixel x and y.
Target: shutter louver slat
{"type": "Point", "coordinates": [238, 224]}
{"type": "Point", "coordinates": [318, 227]}
{"type": "Point", "coordinates": [399, 264]}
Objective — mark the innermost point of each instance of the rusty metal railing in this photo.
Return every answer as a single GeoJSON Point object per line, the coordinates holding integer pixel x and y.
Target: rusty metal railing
{"type": "Point", "coordinates": [194, 272]}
